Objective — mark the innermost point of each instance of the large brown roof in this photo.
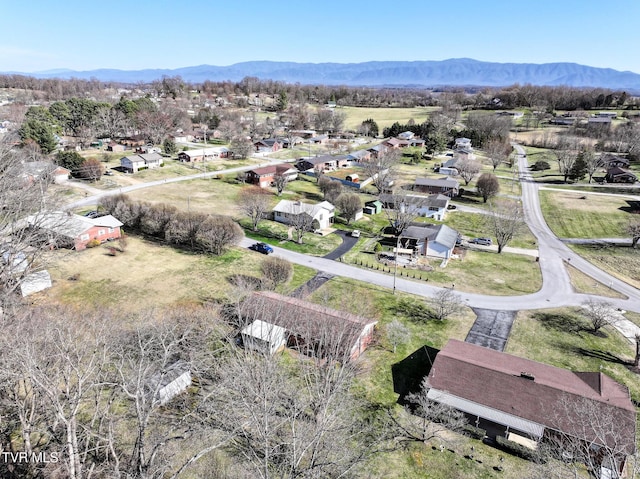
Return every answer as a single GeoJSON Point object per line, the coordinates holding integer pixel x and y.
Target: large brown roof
{"type": "Point", "coordinates": [527, 389]}
{"type": "Point", "coordinates": [305, 319]}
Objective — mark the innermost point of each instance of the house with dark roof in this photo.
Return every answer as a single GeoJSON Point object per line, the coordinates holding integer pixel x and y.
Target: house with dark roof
{"type": "Point", "coordinates": [526, 401]}
{"type": "Point", "coordinates": [437, 241]}
{"type": "Point", "coordinates": [443, 186]}
{"type": "Point", "coordinates": [618, 175]}
{"type": "Point", "coordinates": [310, 328]}
{"type": "Point", "coordinates": [608, 160]}
{"type": "Point", "coordinates": [324, 163]}
{"type": "Point", "coordinates": [267, 145]}
{"type": "Point", "coordinates": [264, 176]}
{"type": "Point", "coordinates": [36, 170]}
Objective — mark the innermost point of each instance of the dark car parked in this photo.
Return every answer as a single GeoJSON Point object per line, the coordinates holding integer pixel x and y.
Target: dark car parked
{"type": "Point", "coordinates": [263, 248]}
{"type": "Point", "coordinates": [482, 241]}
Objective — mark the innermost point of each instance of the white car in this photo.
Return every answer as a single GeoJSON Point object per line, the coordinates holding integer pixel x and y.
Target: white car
{"type": "Point", "coordinates": [355, 233]}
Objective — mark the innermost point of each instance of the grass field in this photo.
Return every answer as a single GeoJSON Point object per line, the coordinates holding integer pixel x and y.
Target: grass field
{"type": "Point", "coordinates": [150, 275]}
{"type": "Point", "coordinates": [623, 263]}
{"type": "Point", "coordinates": [384, 117]}
{"type": "Point", "coordinates": [585, 284]}
{"type": "Point", "coordinates": [557, 337]}
{"type": "Point", "coordinates": [575, 215]}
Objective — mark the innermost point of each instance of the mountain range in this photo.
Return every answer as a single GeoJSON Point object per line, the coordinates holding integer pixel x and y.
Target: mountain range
{"type": "Point", "coordinates": [452, 72]}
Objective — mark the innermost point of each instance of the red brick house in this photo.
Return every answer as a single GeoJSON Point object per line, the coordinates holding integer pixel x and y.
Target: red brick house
{"type": "Point", "coordinates": [65, 230]}
{"type": "Point", "coordinates": [311, 328]}
{"type": "Point", "coordinates": [526, 401]}
{"type": "Point", "coordinates": [267, 145]}
{"type": "Point", "coordinates": [263, 177]}
{"type": "Point", "coordinates": [443, 186]}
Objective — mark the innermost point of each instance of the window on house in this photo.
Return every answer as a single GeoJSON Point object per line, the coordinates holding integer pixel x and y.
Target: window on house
{"type": "Point", "coordinates": [100, 232]}
{"type": "Point", "coordinates": [110, 230]}
{"type": "Point", "coordinates": [84, 237]}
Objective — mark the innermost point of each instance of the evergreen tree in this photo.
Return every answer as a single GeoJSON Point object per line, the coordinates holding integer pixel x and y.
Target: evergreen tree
{"type": "Point", "coordinates": [579, 169]}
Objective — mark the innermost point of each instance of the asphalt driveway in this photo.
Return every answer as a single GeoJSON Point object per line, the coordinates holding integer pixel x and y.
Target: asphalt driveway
{"type": "Point", "coordinates": [348, 242]}
{"type": "Point", "coordinates": [491, 328]}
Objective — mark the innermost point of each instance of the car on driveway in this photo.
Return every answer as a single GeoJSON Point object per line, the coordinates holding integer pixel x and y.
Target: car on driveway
{"type": "Point", "coordinates": [355, 233]}
{"type": "Point", "coordinates": [263, 248]}
{"type": "Point", "coordinates": [482, 241]}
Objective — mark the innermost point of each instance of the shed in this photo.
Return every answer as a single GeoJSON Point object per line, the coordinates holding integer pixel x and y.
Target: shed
{"type": "Point", "coordinates": [171, 381]}
{"type": "Point", "coordinates": [35, 282]}
{"type": "Point", "coordinates": [353, 178]}
{"type": "Point", "coordinates": [264, 337]}
{"type": "Point", "coordinates": [373, 207]}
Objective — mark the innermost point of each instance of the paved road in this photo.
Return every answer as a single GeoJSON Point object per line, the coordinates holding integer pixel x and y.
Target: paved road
{"type": "Point", "coordinates": [348, 242]}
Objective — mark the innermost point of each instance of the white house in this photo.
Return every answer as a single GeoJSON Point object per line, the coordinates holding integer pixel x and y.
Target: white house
{"type": "Point", "coordinates": [430, 240]}
{"type": "Point", "coordinates": [135, 163]}
{"type": "Point", "coordinates": [264, 337]}
{"type": "Point", "coordinates": [406, 135]}
{"type": "Point", "coordinates": [462, 143]}
{"type": "Point", "coordinates": [321, 214]}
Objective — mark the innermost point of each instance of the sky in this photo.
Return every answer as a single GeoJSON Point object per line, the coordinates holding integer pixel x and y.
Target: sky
{"type": "Point", "coordinates": [41, 35]}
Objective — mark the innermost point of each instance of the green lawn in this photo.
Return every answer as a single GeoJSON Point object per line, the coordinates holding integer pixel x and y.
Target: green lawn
{"type": "Point", "coordinates": [621, 262]}
{"type": "Point", "coordinates": [575, 215]}
{"type": "Point", "coordinates": [556, 337]}
{"type": "Point", "coordinates": [384, 117]}
{"type": "Point", "coordinates": [473, 225]}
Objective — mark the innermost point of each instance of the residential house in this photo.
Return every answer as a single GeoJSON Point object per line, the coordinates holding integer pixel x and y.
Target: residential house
{"type": "Point", "coordinates": [607, 114]}
{"type": "Point", "coordinates": [604, 121]}
{"type": "Point", "coordinates": [431, 206]}
{"type": "Point", "coordinates": [311, 328]}
{"type": "Point", "coordinates": [202, 154]}
{"type": "Point", "coordinates": [324, 163]}
{"type": "Point", "coordinates": [134, 141]}
{"type": "Point", "coordinates": [464, 154]}
{"type": "Point", "coordinates": [319, 139]}
{"type": "Point", "coordinates": [525, 401]}
{"type": "Point", "coordinates": [264, 337]}
{"type": "Point", "coordinates": [437, 241]}
{"type": "Point", "coordinates": [36, 170]}
{"type": "Point", "coordinates": [65, 230]}
{"type": "Point", "coordinates": [563, 120]}
{"type": "Point", "coordinates": [170, 382]}
{"type": "Point", "coordinates": [267, 145]}
{"type": "Point", "coordinates": [609, 161]}
{"type": "Point", "coordinates": [360, 156]}
{"type": "Point", "coordinates": [406, 135]}
{"type": "Point", "coordinates": [444, 186]}
{"type": "Point", "coordinates": [135, 163]}
{"type": "Point", "coordinates": [392, 143]}
{"type": "Point", "coordinates": [115, 147]}
{"type": "Point", "coordinates": [618, 175]}
{"type": "Point", "coordinates": [263, 177]}
{"type": "Point", "coordinates": [321, 214]}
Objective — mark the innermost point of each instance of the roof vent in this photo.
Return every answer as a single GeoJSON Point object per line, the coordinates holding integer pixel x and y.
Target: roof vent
{"type": "Point", "coordinates": [528, 376]}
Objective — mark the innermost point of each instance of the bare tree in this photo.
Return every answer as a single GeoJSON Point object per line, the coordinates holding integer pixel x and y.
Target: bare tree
{"type": "Point", "coordinates": [599, 313]}
{"type": "Point", "coordinates": [425, 419]}
{"type": "Point", "coordinates": [397, 333]}
{"type": "Point", "coordinates": [588, 432]}
{"type": "Point", "coordinates": [254, 202]}
{"type": "Point", "coordinates": [402, 208]}
{"type": "Point", "coordinates": [498, 151]}
{"type": "Point", "coordinates": [488, 186]}
{"type": "Point", "coordinates": [633, 230]}
{"type": "Point", "coordinates": [331, 189]}
{"type": "Point", "coordinates": [217, 233]}
{"type": "Point", "coordinates": [91, 169]}
{"type": "Point", "coordinates": [22, 197]}
{"type": "Point", "coordinates": [276, 270]}
{"type": "Point", "coordinates": [467, 169]}
{"type": "Point", "coordinates": [382, 169]}
{"type": "Point", "coordinates": [349, 205]}
{"type": "Point", "coordinates": [591, 162]}
{"type": "Point", "coordinates": [280, 181]}
{"type": "Point", "coordinates": [446, 303]}
{"type": "Point", "coordinates": [301, 222]}
{"type": "Point", "coordinates": [566, 158]}
{"type": "Point", "coordinates": [505, 220]}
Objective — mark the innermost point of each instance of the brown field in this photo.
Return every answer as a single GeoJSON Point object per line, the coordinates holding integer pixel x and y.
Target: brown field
{"type": "Point", "coordinates": [149, 275]}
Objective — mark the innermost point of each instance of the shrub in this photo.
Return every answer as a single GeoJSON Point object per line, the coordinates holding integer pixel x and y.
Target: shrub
{"type": "Point", "coordinates": [541, 165]}
{"type": "Point", "coordinates": [93, 243]}
{"type": "Point", "coordinates": [474, 432]}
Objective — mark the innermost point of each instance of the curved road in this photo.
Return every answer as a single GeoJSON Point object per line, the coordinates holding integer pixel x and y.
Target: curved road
{"type": "Point", "coordinates": [556, 290]}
